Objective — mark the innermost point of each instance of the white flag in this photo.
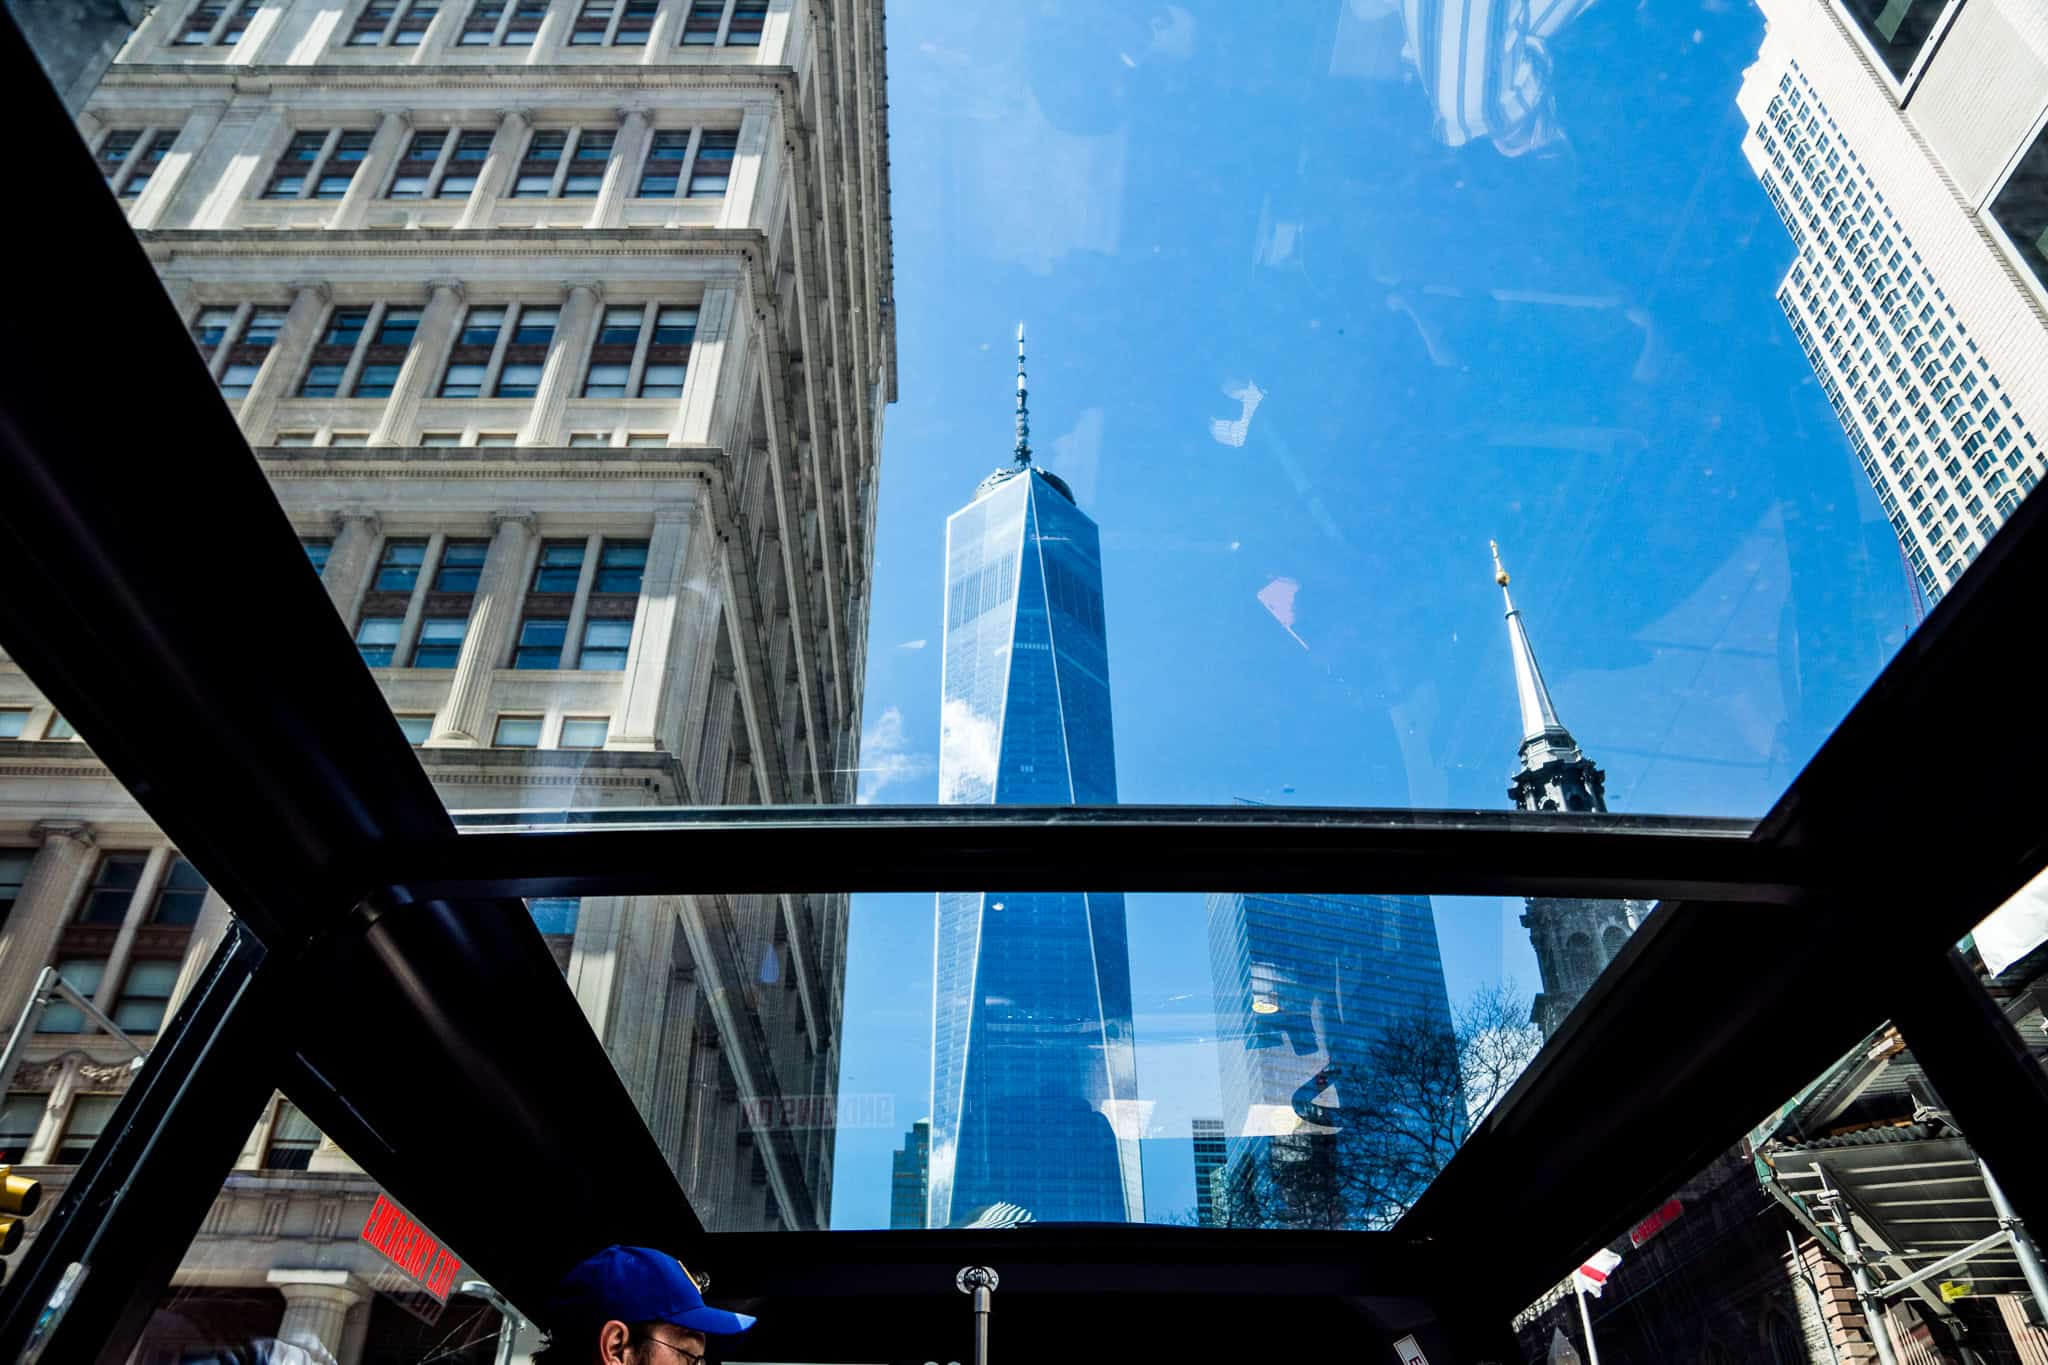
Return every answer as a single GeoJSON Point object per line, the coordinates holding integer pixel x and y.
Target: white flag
{"type": "Point", "coordinates": [1591, 1277]}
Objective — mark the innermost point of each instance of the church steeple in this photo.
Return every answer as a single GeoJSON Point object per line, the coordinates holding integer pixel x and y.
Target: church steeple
{"type": "Point", "coordinates": [1023, 451]}
{"type": "Point", "coordinates": [1554, 774]}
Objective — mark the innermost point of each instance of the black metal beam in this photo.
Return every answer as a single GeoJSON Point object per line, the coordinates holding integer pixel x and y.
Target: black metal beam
{"type": "Point", "coordinates": [1108, 848]}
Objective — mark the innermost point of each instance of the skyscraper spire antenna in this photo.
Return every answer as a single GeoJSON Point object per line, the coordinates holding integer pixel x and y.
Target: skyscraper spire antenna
{"type": "Point", "coordinates": [1023, 452]}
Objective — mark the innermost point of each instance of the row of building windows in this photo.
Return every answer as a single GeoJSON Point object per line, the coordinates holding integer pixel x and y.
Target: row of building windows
{"type": "Point", "coordinates": [14, 724]}
{"type": "Point", "coordinates": [499, 23]}
{"type": "Point", "coordinates": [638, 350]}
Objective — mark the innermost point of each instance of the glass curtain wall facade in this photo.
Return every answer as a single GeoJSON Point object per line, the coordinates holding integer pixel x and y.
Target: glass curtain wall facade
{"type": "Point", "coordinates": [1334, 1032]}
{"type": "Point", "coordinates": [1034, 1073]}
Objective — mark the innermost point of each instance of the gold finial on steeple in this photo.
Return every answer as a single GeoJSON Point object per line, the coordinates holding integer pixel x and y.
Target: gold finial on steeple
{"type": "Point", "coordinates": [1500, 575]}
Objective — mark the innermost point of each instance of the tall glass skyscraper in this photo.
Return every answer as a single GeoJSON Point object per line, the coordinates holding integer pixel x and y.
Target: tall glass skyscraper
{"type": "Point", "coordinates": [1307, 987]}
{"type": "Point", "coordinates": [1034, 1075]}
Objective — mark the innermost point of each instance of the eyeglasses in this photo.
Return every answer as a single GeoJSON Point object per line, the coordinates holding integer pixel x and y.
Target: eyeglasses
{"type": "Point", "coordinates": [689, 1357]}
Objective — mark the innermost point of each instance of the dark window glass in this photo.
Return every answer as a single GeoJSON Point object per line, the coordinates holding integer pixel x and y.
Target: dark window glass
{"type": "Point", "coordinates": [399, 569]}
{"type": "Point", "coordinates": [199, 24]}
{"type": "Point", "coordinates": [83, 1126]}
{"type": "Point", "coordinates": [20, 1115]}
{"type": "Point", "coordinates": [239, 25]}
{"type": "Point", "coordinates": [81, 974]}
{"type": "Point", "coordinates": [591, 22]}
{"type": "Point", "coordinates": [708, 178]}
{"type": "Point", "coordinates": [317, 552]}
{"type": "Point", "coordinates": [113, 887]}
{"type": "Point", "coordinates": [540, 642]}
{"type": "Point", "coordinates": [748, 17]}
{"type": "Point", "coordinates": [375, 380]}
{"type": "Point", "coordinates": [481, 327]}
{"type": "Point", "coordinates": [293, 1140]}
{"type": "Point", "coordinates": [440, 642]}
{"type": "Point", "coordinates": [1896, 28]}
{"type": "Point", "coordinates": [145, 996]}
{"type": "Point", "coordinates": [210, 328]}
{"type": "Point", "coordinates": [482, 24]}
{"type": "Point", "coordinates": [2021, 208]}
{"type": "Point", "coordinates": [662, 170]}
{"type": "Point", "coordinates": [413, 27]}
{"type": "Point", "coordinates": [397, 326]}
{"type": "Point", "coordinates": [621, 327]}
{"type": "Point", "coordinates": [605, 643]}
{"type": "Point", "coordinates": [606, 381]}
{"type": "Point", "coordinates": [463, 381]}
{"type": "Point", "coordinates": [635, 24]}
{"type": "Point", "coordinates": [262, 328]}
{"type": "Point", "coordinates": [370, 24]}
{"type": "Point", "coordinates": [345, 328]}
{"type": "Point", "coordinates": [297, 162]}
{"type": "Point", "coordinates": [701, 28]}
{"type": "Point", "coordinates": [518, 381]}
{"type": "Point", "coordinates": [620, 566]}
{"type": "Point", "coordinates": [377, 639]}
{"type": "Point", "coordinates": [560, 567]}
{"type": "Point", "coordinates": [675, 326]}
{"type": "Point", "coordinates": [462, 564]}
{"type": "Point", "coordinates": [14, 865]}
{"type": "Point", "coordinates": [323, 380]}
{"type": "Point", "coordinates": [146, 164]}
{"type": "Point", "coordinates": [179, 899]}
{"type": "Point", "coordinates": [525, 23]}
{"type": "Point", "coordinates": [536, 326]}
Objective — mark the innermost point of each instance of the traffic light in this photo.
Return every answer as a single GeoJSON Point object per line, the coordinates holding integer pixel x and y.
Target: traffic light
{"type": "Point", "coordinates": [18, 1199]}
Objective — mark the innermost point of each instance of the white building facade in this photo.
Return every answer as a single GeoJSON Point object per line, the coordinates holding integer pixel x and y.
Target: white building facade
{"type": "Point", "coordinates": [563, 330]}
{"type": "Point", "coordinates": [1902, 145]}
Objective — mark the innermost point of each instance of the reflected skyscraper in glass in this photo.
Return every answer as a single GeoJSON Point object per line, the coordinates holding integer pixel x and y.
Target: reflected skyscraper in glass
{"type": "Point", "coordinates": [1034, 1074]}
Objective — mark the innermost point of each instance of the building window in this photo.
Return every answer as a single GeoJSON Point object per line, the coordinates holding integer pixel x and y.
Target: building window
{"type": "Point", "coordinates": [518, 356]}
{"type": "Point", "coordinates": [372, 22]}
{"type": "Point", "coordinates": [199, 25]}
{"type": "Point", "coordinates": [642, 440]}
{"type": "Point", "coordinates": [560, 568]}
{"type": "Point", "coordinates": [667, 152]}
{"type": "Point", "coordinates": [181, 897]}
{"type": "Point", "coordinates": [540, 642]}
{"type": "Point", "coordinates": [139, 167]}
{"type": "Point", "coordinates": [113, 888]}
{"type": "Point", "coordinates": [605, 644]}
{"type": "Point", "coordinates": [246, 355]}
{"type": "Point", "coordinates": [398, 570]}
{"type": "Point", "coordinates": [553, 914]}
{"type": "Point", "coordinates": [412, 26]}
{"type": "Point", "coordinates": [59, 728]}
{"type": "Point", "coordinates": [115, 149]}
{"type": "Point", "coordinates": [293, 1140]}
{"type": "Point", "coordinates": [382, 22]}
{"type": "Point", "coordinates": [497, 438]}
{"type": "Point", "coordinates": [517, 732]}
{"type": "Point", "coordinates": [318, 163]}
{"type": "Point", "coordinates": [585, 732]}
{"type": "Point", "coordinates": [524, 24]}
{"type": "Point", "coordinates": [712, 170]}
{"type": "Point", "coordinates": [620, 567]}
{"type": "Point", "coordinates": [377, 639]}
{"type": "Point", "coordinates": [1896, 29]}
{"type": "Point", "coordinates": [636, 23]}
{"type": "Point", "coordinates": [238, 23]}
{"type": "Point", "coordinates": [317, 552]}
{"type": "Point", "coordinates": [748, 17]}
{"type": "Point", "coordinates": [14, 865]}
{"type": "Point", "coordinates": [83, 1126]}
{"type": "Point", "coordinates": [630, 358]}
{"type": "Point", "coordinates": [81, 974]}
{"type": "Point", "coordinates": [563, 163]}
{"type": "Point", "coordinates": [415, 727]}
{"type": "Point", "coordinates": [593, 23]}
{"type": "Point", "coordinates": [442, 163]}
{"type": "Point", "coordinates": [2021, 208]}
{"type": "Point", "coordinates": [20, 1115]}
{"type": "Point", "coordinates": [580, 439]}
{"type": "Point", "coordinates": [145, 996]}
{"type": "Point", "coordinates": [480, 29]}
{"type": "Point", "coordinates": [440, 642]}
{"type": "Point", "coordinates": [13, 721]}
{"type": "Point", "coordinates": [462, 565]}
{"type": "Point", "coordinates": [440, 438]}
{"type": "Point", "coordinates": [706, 18]}
{"type": "Point", "coordinates": [382, 348]}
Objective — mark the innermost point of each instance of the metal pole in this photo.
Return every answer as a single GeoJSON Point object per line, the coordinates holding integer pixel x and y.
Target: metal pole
{"type": "Point", "coordinates": [979, 1281]}
{"type": "Point", "coordinates": [25, 1026]}
{"type": "Point", "coordinates": [1873, 1306]}
{"type": "Point", "coordinates": [1579, 1292]}
{"type": "Point", "coordinates": [2022, 1244]}
{"type": "Point", "coordinates": [1820, 1307]}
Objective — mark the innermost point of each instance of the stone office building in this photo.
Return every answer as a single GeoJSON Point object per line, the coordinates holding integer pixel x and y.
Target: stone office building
{"type": "Point", "coordinates": [563, 329]}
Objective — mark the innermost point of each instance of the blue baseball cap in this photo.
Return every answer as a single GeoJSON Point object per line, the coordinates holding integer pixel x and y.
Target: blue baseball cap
{"type": "Point", "coordinates": [634, 1285]}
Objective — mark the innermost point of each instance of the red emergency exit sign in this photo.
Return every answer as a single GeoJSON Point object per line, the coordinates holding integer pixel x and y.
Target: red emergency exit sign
{"type": "Point", "coordinates": [410, 1247]}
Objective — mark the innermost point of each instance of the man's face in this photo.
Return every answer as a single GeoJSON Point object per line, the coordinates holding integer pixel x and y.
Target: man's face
{"type": "Point", "coordinates": [654, 1343]}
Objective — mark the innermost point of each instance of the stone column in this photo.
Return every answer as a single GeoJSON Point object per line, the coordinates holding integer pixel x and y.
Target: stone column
{"type": "Point", "coordinates": [352, 559]}
{"type": "Point", "coordinates": [692, 425]}
{"type": "Point", "coordinates": [465, 717]}
{"type": "Point", "coordinates": [385, 148]}
{"type": "Point", "coordinates": [647, 679]}
{"type": "Point", "coordinates": [55, 879]}
{"type": "Point", "coordinates": [579, 610]}
{"type": "Point", "coordinates": [421, 365]}
{"type": "Point", "coordinates": [495, 178]}
{"type": "Point", "coordinates": [287, 358]}
{"type": "Point", "coordinates": [317, 1304]}
{"type": "Point", "coordinates": [207, 933]}
{"type": "Point", "coordinates": [629, 149]}
{"type": "Point", "coordinates": [563, 372]}
{"type": "Point", "coordinates": [153, 872]}
{"type": "Point", "coordinates": [244, 147]}
{"type": "Point", "coordinates": [164, 181]}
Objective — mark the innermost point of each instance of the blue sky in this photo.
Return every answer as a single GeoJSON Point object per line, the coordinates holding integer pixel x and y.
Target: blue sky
{"type": "Point", "coordinates": [1301, 359]}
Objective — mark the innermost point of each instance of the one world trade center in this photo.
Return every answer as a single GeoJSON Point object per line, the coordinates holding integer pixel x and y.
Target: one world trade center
{"type": "Point", "coordinates": [1034, 1074]}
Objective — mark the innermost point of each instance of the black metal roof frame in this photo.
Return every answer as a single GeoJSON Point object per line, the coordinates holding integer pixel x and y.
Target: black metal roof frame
{"type": "Point", "coordinates": [374, 977]}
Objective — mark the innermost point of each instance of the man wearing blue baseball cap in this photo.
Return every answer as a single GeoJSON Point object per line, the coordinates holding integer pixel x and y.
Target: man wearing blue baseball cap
{"type": "Point", "coordinates": [632, 1306]}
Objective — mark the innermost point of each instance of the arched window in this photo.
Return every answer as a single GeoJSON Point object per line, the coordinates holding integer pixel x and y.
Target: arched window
{"type": "Point", "coordinates": [1611, 939]}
